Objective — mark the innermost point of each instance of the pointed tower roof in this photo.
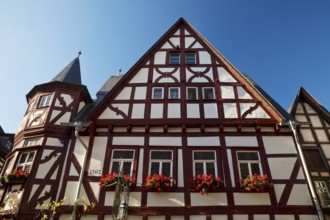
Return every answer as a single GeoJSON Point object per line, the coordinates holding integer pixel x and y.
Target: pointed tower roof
{"type": "Point", "coordinates": [70, 74]}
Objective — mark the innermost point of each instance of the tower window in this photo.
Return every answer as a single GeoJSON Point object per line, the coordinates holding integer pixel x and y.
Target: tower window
{"type": "Point", "coordinates": [44, 101]}
{"type": "Point", "coordinates": [174, 58]}
{"type": "Point", "coordinates": [190, 58]}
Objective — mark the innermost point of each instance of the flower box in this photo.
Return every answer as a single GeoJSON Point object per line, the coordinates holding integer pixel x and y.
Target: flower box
{"type": "Point", "coordinates": [14, 177]}
{"type": "Point", "coordinates": [204, 183]}
{"type": "Point", "coordinates": [108, 181]}
{"type": "Point", "coordinates": [159, 183]}
{"type": "Point", "coordinates": [256, 183]}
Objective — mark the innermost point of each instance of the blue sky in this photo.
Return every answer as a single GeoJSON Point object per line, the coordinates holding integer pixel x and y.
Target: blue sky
{"type": "Point", "coordinates": [282, 45]}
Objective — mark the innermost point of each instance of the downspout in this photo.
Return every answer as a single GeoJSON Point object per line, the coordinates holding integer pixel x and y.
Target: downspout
{"type": "Point", "coordinates": [293, 125]}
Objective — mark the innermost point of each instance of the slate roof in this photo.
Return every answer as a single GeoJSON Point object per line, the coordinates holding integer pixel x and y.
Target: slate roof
{"type": "Point", "coordinates": [70, 74]}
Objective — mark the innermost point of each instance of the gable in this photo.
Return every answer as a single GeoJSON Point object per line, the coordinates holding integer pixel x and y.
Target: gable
{"type": "Point", "coordinates": [183, 78]}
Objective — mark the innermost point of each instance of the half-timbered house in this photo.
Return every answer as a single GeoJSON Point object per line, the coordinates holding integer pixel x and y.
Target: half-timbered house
{"type": "Point", "coordinates": [183, 110]}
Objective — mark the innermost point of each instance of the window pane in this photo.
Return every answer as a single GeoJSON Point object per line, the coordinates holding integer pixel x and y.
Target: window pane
{"type": "Point", "coordinates": [157, 93]}
{"type": "Point", "coordinates": [44, 101]}
{"type": "Point", "coordinates": [166, 169]}
{"type": "Point", "coordinates": [125, 154]}
{"type": "Point", "coordinates": [192, 93]}
{"type": "Point", "coordinates": [174, 58]}
{"type": "Point", "coordinates": [190, 58]}
{"type": "Point", "coordinates": [27, 168]}
{"type": "Point", "coordinates": [199, 168]}
{"type": "Point", "coordinates": [244, 170]}
{"type": "Point", "coordinates": [127, 168]}
{"type": "Point", "coordinates": [255, 169]}
{"type": "Point", "coordinates": [115, 167]}
{"type": "Point", "coordinates": [208, 155]}
{"type": "Point", "coordinates": [154, 168]}
{"type": "Point", "coordinates": [174, 93]}
{"type": "Point", "coordinates": [210, 169]}
{"type": "Point", "coordinates": [247, 156]}
{"type": "Point", "coordinates": [208, 93]}
{"type": "Point", "coordinates": [161, 155]}
{"type": "Point", "coordinates": [30, 159]}
{"type": "Point", "coordinates": [23, 158]}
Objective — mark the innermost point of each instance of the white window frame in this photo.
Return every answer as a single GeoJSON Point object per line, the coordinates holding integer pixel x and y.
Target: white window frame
{"type": "Point", "coordinates": [32, 142]}
{"type": "Point", "coordinates": [205, 161]}
{"type": "Point", "coordinates": [174, 88]}
{"type": "Point", "coordinates": [196, 92]}
{"type": "Point", "coordinates": [161, 161]}
{"type": "Point", "coordinates": [122, 160]}
{"type": "Point", "coordinates": [44, 101]}
{"type": "Point", "coordinates": [188, 60]}
{"type": "Point", "coordinates": [204, 96]}
{"type": "Point", "coordinates": [171, 60]}
{"type": "Point", "coordinates": [153, 93]}
{"type": "Point", "coordinates": [321, 188]}
{"type": "Point", "coordinates": [26, 163]}
{"type": "Point", "coordinates": [248, 162]}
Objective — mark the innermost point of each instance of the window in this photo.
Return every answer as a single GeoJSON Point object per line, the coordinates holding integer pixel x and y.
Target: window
{"type": "Point", "coordinates": [208, 93]}
{"type": "Point", "coordinates": [157, 93]}
{"type": "Point", "coordinates": [122, 160]}
{"type": "Point", "coordinates": [190, 58]}
{"type": "Point", "coordinates": [44, 101]}
{"type": "Point", "coordinates": [25, 161]}
{"type": "Point", "coordinates": [174, 58]}
{"type": "Point", "coordinates": [192, 93]}
{"type": "Point", "coordinates": [174, 93]}
{"type": "Point", "coordinates": [314, 159]}
{"type": "Point", "coordinates": [32, 142]}
{"type": "Point", "coordinates": [248, 163]}
{"type": "Point", "coordinates": [204, 162]}
{"type": "Point", "coordinates": [323, 193]}
{"type": "Point", "coordinates": [161, 162]}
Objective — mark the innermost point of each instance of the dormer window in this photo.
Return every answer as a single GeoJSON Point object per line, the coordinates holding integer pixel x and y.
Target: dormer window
{"type": "Point", "coordinates": [190, 58]}
{"type": "Point", "coordinates": [44, 101]}
{"type": "Point", "coordinates": [174, 58]}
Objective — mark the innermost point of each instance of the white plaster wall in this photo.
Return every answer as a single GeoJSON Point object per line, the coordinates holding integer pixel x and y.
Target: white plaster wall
{"type": "Point", "coordinates": [210, 199]}
{"type": "Point", "coordinates": [134, 199]}
{"type": "Point", "coordinates": [160, 57]}
{"type": "Point", "coordinates": [81, 105]}
{"type": "Point", "coordinates": [97, 159]}
{"type": "Point", "coordinates": [307, 135]}
{"type": "Point", "coordinates": [279, 145]}
{"type": "Point", "coordinates": [224, 76]}
{"type": "Point", "coordinates": [165, 199]}
{"type": "Point", "coordinates": [326, 150]}
{"type": "Point", "coordinates": [278, 191]}
{"type": "Point", "coordinates": [197, 45]}
{"type": "Point", "coordinates": [156, 129]}
{"type": "Point", "coordinates": [316, 122]}
{"type": "Point", "coordinates": [44, 168]}
{"type": "Point", "coordinates": [166, 46]}
{"type": "Point", "coordinates": [257, 113]}
{"type": "Point", "coordinates": [175, 41]}
{"type": "Point", "coordinates": [308, 217]}
{"type": "Point", "coordinates": [180, 181]}
{"type": "Point", "coordinates": [241, 141]}
{"type": "Point", "coordinates": [176, 75]}
{"type": "Point", "coordinates": [309, 108]}
{"type": "Point", "coordinates": [188, 41]}
{"type": "Point", "coordinates": [96, 189]}
{"type": "Point", "coordinates": [64, 118]}
{"type": "Point", "coordinates": [138, 111]}
{"type": "Point", "coordinates": [156, 111]}
{"type": "Point", "coordinates": [193, 111]}
{"type": "Point", "coordinates": [231, 168]}
{"type": "Point", "coordinates": [89, 217]}
{"type": "Point", "coordinates": [138, 129]}
{"type": "Point", "coordinates": [141, 76]}
{"type": "Point", "coordinates": [157, 217]}
{"type": "Point", "coordinates": [260, 217]}
{"type": "Point", "coordinates": [211, 110]}
{"type": "Point", "coordinates": [240, 217]}
{"type": "Point", "coordinates": [219, 217]}
{"type": "Point", "coordinates": [196, 79]}
{"type": "Point", "coordinates": [125, 94]}
{"type": "Point", "coordinates": [284, 217]}
{"type": "Point", "coordinates": [139, 180]}
{"type": "Point", "coordinates": [204, 57]}
{"type": "Point", "coordinates": [300, 195]}
{"type": "Point", "coordinates": [227, 92]}
{"type": "Point", "coordinates": [54, 142]}
{"type": "Point", "coordinates": [301, 118]}
{"type": "Point", "coordinates": [281, 168]}
{"type": "Point", "coordinates": [71, 190]}
{"type": "Point", "coordinates": [165, 141]}
{"type": "Point", "coordinates": [109, 114]}
{"type": "Point", "coordinates": [177, 217]}
{"type": "Point", "coordinates": [118, 140]}
{"type": "Point", "coordinates": [299, 108]}
{"type": "Point", "coordinates": [174, 110]}
{"type": "Point", "coordinates": [242, 94]}
{"type": "Point", "coordinates": [203, 141]}
{"type": "Point", "coordinates": [79, 150]}
{"type": "Point", "coordinates": [67, 99]}
{"type": "Point", "coordinates": [252, 198]}
{"type": "Point", "coordinates": [321, 136]}
{"type": "Point", "coordinates": [174, 129]}
{"type": "Point", "coordinates": [214, 129]}
{"type": "Point", "coordinates": [230, 110]}
{"type": "Point", "coordinates": [197, 217]}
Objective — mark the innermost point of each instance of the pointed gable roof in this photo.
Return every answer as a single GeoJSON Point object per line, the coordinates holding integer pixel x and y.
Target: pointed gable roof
{"type": "Point", "coordinates": [266, 102]}
{"type": "Point", "coordinates": [304, 96]}
{"type": "Point", "coordinates": [70, 74]}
